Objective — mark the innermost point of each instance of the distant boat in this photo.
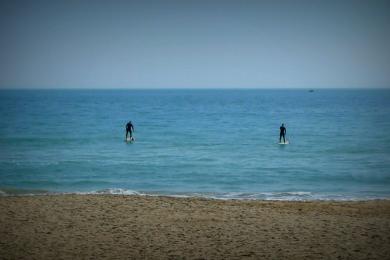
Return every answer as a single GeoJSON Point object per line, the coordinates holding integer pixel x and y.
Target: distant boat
{"type": "Point", "coordinates": [311, 90]}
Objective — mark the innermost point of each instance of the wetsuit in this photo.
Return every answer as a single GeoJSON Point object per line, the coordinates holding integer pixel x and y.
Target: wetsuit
{"type": "Point", "coordinates": [282, 134]}
{"type": "Point", "coordinates": [129, 129]}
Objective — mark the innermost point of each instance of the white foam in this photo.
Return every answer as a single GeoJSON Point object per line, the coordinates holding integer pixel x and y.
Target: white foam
{"type": "Point", "coordinates": [114, 191]}
{"type": "Point", "coordinates": [279, 196]}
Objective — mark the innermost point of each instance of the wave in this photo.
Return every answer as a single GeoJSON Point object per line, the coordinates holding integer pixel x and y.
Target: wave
{"type": "Point", "coordinates": [270, 196]}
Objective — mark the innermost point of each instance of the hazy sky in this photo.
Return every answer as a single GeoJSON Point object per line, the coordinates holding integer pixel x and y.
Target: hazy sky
{"type": "Point", "coordinates": [190, 44]}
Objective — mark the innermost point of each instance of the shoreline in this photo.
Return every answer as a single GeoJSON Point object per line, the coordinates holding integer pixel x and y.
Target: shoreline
{"type": "Point", "coordinates": [196, 197]}
{"type": "Point", "coordinates": [240, 196]}
{"type": "Point", "coordinates": [105, 226]}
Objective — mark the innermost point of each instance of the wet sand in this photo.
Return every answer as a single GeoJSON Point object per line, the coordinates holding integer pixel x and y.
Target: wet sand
{"type": "Point", "coordinates": [138, 227]}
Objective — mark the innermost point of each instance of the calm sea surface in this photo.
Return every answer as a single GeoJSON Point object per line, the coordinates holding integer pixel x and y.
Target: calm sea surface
{"type": "Point", "coordinates": [211, 143]}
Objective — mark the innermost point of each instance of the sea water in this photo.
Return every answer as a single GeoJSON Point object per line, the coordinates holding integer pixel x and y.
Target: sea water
{"type": "Point", "coordinates": [207, 143]}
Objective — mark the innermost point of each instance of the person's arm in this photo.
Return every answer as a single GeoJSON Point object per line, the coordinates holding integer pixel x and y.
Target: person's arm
{"type": "Point", "coordinates": [132, 128]}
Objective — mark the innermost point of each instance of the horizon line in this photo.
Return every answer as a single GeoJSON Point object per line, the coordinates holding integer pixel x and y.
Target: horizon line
{"type": "Point", "coordinates": [190, 88]}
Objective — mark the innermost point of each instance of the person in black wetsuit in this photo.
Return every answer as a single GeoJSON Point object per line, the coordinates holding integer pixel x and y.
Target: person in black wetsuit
{"type": "Point", "coordinates": [282, 134]}
{"type": "Point", "coordinates": [129, 129]}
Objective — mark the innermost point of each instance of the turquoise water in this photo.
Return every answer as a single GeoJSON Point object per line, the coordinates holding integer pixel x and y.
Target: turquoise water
{"type": "Point", "coordinates": [211, 143]}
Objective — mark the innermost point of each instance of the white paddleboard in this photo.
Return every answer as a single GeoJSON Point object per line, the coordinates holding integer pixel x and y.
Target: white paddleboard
{"type": "Point", "coordinates": [284, 143]}
{"type": "Point", "coordinates": [129, 140]}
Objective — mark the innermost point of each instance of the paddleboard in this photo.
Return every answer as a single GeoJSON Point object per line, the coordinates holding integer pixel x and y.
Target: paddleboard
{"type": "Point", "coordinates": [129, 140]}
{"type": "Point", "coordinates": [284, 143]}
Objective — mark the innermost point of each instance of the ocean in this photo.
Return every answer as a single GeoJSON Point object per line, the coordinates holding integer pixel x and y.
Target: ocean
{"type": "Point", "coordinates": [205, 143]}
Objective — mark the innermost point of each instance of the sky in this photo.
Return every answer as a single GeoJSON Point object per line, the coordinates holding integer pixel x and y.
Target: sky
{"type": "Point", "coordinates": [194, 44]}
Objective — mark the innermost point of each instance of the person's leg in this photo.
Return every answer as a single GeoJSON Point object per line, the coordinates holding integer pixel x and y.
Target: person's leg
{"type": "Point", "coordinates": [127, 132]}
{"type": "Point", "coordinates": [280, 138]}
{"type": "Point", "coordinates": [284, 138]}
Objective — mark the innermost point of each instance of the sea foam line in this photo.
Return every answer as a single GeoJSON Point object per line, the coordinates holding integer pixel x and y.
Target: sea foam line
{"type": "Point", "coordinates": [270, 196]}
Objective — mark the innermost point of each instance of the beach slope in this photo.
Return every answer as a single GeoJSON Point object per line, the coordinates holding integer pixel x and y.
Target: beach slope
{"type": "Point", "coordinates": [142, 227]}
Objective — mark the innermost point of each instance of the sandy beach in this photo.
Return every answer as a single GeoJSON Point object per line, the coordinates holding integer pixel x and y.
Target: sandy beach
{"type": "Point", "coordinates": [141, 227]}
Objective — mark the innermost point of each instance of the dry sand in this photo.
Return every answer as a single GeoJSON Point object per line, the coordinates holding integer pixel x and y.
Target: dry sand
{"type": "Point", "coordinates": [136, 227]}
